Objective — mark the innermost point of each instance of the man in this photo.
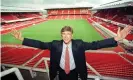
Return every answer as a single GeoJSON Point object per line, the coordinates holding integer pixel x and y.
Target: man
{"type": "Point", "coordinates": [67, 58]}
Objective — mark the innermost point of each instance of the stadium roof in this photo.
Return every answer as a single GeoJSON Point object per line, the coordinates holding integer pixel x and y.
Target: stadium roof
{"type": "Point", "coordinates": [40, 5]}
{"type": "Point", "coordinates": [19, 9]}
{"type": "Point", "coordinates": [115, 4]}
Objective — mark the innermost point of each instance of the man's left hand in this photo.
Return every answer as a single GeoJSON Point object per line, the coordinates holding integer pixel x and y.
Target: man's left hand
{"type": "Point", "coordinates": [121, 34]}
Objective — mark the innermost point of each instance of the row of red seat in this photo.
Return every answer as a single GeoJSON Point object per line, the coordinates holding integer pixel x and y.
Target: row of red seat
{"type": "Point", "coordinates": [68, 17]}
{"type": "Point", "coordinates": [107, 64]}
{"type": "Point", "coordinates": [112, 27]}
{"type": "Point", "coordinates": [17, 16]}
{"type": "Point", "coordinates": [69, 11]}
{"type": "Point", "coordinates": [18, 56]}
{"type": "Point", "coordinates": [128, 57]}
{"type": "Point", "coordinates": [122, 15]}
{"type": "Point", "coordinates": [45, 53]}
{"type": "Point", "coordinates": [5, 49]}
{"type": "Point", "coordinates": [6, 17]}
{"type": "Point", "coordinates": [8, 26]}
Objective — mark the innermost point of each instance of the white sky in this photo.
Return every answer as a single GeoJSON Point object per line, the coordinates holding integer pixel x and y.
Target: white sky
{"type": "Point", "coordinates": [54, 3]}
{"type": "Point", "coordinates": [74, 3]}
{"type": "Point", "coordinates": [69, 3]}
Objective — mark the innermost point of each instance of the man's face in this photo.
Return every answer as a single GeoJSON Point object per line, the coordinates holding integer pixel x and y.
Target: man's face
{"type": "Point", "coordinates": [66, 36]}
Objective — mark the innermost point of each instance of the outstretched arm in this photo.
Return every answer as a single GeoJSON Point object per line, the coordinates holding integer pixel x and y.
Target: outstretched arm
{"type": "Point", "coordinates": [121, 34]}
{"type": "Point", "coordinates": [30, 42]}
{"type": "Point", "coordinates": [111, 42]}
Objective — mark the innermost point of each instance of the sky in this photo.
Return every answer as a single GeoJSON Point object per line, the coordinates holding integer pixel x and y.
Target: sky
{"type": "Point", "coordinates": [69, 3]}
{"type": "Point", "coordinates": [54, 3]}
{"type": "Point", "coordinates": [77, 1]}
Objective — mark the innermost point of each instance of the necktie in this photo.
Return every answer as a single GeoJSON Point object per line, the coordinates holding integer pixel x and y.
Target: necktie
{"type": "Point", "coordinates": [67, 62]}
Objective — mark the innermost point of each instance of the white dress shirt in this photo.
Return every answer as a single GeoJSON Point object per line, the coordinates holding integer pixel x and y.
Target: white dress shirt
{"type": "Point", "coordinates": [62, 60]}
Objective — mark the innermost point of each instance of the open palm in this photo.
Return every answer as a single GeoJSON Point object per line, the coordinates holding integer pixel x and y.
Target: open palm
{"type": "Point", "coordinates": [17, 34]}
{"type": "Point", "coordinates": [121, 34]}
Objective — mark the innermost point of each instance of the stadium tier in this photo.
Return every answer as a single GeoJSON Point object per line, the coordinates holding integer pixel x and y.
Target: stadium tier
{"type": "Point", "coordinates": [112, 27]}
{"type": "Point", "coordinates": [9, 16]}
{"type": "Point", "coordinates": [122, 15]}
{"type": "Point", "coordinates": [16, 16]}
{"type": "Point", "coordinates": [115, 63]}
{"type": "Point", "coordinates": [6, 27]}
{"type": "Point", "coordinates": [45, 53]}
{"type": "Point", "coordinates": [106, 63]}
{"type": "Point", "coordinates": [68, 11]}
{"type": "Point", "coordinates": [110, 64]}
{"type": "Point", "coordinates": [18, 56]}
{"type": "Point", "coordinates": [69, 14]}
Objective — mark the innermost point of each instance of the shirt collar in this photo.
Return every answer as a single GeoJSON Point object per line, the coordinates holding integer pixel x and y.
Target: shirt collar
{"type": "Point", "coordinates": [69, 45]}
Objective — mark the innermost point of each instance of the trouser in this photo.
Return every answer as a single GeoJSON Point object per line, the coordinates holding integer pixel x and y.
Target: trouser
{"type": "Point", "coordinates": [73, 75]}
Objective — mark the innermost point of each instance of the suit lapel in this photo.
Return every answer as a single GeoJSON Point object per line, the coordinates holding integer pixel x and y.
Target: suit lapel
{"type": "Point", "coordinates": [60, 46]}
{"type": "Point", "coordinates": [73, 49]}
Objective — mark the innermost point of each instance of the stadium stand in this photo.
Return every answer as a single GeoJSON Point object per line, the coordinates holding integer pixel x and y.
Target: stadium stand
{"type": "Point", "coordinates": [109, 65]}
{"type": "Point", "coordinates": [45, 53]}
{"type": "Point", "coordinates": [105, 65]}
{"type": "Point", "coordinates": [79, 13]}
{"type": "Point", "coordinates": [121, 15]}
{"type": "Point", "coordinates": [102, 62]}
{"type": "Point", "coordinates": [18, 56]}
{"type": "Point", "coordinates": [113, 15]}
{"type": "Point", "coordinates": [19, 20]}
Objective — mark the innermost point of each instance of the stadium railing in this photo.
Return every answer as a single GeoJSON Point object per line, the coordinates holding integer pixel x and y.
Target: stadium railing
{"type": "Point", "coordinates": [15, 70]}
{"type": "Point", "coordinates": [94, 77]}
{"type": "Point", "coordinates": [45, 59]}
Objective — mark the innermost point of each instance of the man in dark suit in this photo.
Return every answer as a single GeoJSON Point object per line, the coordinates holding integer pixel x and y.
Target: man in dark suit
{"type": "Point", "coordinates": [67, 58]}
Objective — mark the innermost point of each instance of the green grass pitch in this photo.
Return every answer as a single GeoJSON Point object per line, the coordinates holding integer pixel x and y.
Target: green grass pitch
{"type": "Point", "coordinates": [50, 30]}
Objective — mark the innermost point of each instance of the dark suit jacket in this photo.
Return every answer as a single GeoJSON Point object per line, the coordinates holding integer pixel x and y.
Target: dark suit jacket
{"type": "Point", "coordinates": [78, 49]}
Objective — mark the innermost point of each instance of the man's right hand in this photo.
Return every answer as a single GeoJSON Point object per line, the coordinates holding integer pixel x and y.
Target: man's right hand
{"type": "Point", "coordinates": [17, 34]}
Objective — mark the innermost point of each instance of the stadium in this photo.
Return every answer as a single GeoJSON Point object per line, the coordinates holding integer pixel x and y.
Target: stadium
{"type": "Point", "coordinates": [39, 21]}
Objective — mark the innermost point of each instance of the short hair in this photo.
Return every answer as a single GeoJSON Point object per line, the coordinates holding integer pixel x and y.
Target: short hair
{"type": "Point", "coordinates": [67, 28]}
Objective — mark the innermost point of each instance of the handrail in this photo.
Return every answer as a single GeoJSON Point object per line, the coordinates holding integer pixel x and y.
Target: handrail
{"type": "Point", "coordinates": [89, 66]}
{"type": "Point", "coordinates": [15, 70]}
{"type": "Point", "coordinates": [47, 68]}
